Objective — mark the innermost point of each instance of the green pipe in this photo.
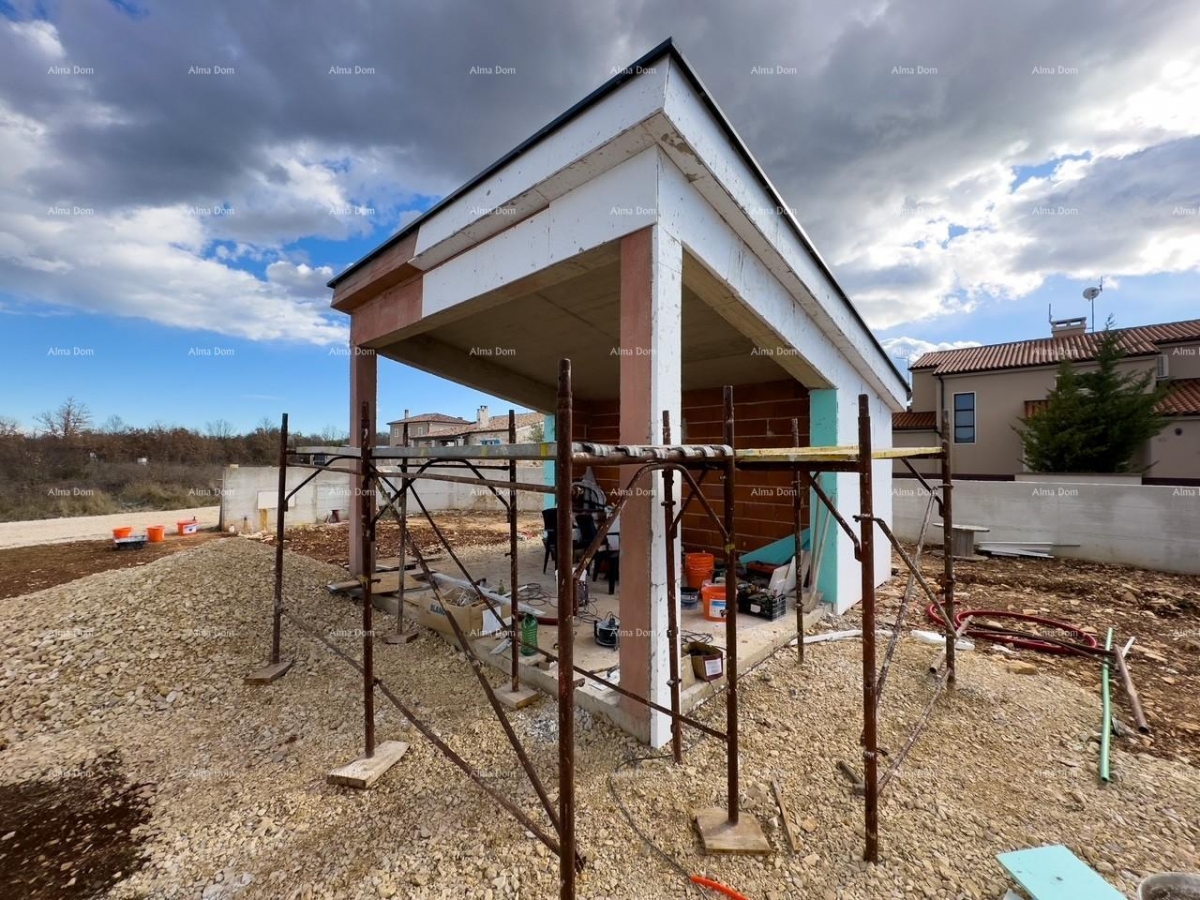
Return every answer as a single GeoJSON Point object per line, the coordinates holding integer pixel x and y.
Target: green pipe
{"type": "Point", "coordinates": [1105, 715]}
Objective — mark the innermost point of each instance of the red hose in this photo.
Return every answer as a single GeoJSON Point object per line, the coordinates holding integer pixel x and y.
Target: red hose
{"type": "Point", "coordinates": [718, 887]}
{"type": "Point", "coordinates": [1030, 642]}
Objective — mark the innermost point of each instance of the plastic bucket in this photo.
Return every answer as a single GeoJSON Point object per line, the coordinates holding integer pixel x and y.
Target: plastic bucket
{"type": "Point", "coordinates": [155, 533]}
{"type": "Point", "coordinates": [123, 532]}
{"type": "Point", "coordinates": [1170, 886]}
{"type": "Point", "coordinates": [697, 568]}
{"type": "Point", "coordinates": [689, 598]}
{"type": "Point", "coordinates": [190, 527]}
{"type": "Point", "coordinates": [714, 602]}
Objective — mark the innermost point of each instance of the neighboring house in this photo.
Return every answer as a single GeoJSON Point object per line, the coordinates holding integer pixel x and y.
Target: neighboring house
{"type": "Point", "coordinates": [988, 389]}
{"type": "Point", "coordinates": [421, 429]}
{"type": "Point", "coordinates": [436, 429]}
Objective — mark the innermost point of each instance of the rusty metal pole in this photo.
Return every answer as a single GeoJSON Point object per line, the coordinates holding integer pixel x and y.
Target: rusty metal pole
{"type": "Point", "coordinates": [947, 552]}
{"type": "Point", "coordinates": [733, 801]}
{"type": "Point", "coordinates": [566, 635]}
{"type": "Point", "coordinates": [672, 597]}
{"type": "Point", "coordinates": [866, 526]}
{"type": "Point", "coordinates": [514, 637]}
{"type": "Point", "coordinates": [280, 510]}
{"type": "Point", "coordinates": [799, 553]}
{"type": "Point", "coordinates": [402, 522]}
{"type": "Point", "coordinates": [366, 540]}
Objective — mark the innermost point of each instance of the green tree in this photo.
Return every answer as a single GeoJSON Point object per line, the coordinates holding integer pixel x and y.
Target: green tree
{"type": "Point", "coordinates": [1093, 421]}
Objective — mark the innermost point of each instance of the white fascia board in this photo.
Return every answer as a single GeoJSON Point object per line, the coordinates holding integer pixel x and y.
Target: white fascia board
{"type": "Point", "coordinates": [699, 147]}
{"type": "Point", "coordinates": [574, 223]}
{"type": "Point", "coordinates": [763, 298]}
{"type": "Point", "coordinates": [600, 138]}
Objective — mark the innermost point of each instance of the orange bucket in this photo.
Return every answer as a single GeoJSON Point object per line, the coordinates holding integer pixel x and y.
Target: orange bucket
{"type": "Point", "coordinates": [713, 596]}
{"type": "Point", "coordinates": [189, 527]}
{"type": "Point", "coordinates": [698, 568]}
{"type": "Point", "coordinates": [122, 532]}
{"type": "Point", "coordinates": [154, 533]}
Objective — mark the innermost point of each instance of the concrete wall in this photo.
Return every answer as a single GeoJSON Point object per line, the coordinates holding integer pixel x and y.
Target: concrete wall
{"type": "Point", "coordinates": [248, 495]}
{"type": "Point", "coordinates": [1149, 526]}
{"type": "Point", "coordinates": [1175, 451]}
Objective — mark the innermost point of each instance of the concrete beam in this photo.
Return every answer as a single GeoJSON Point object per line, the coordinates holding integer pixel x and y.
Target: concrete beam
{"type": "Point", "coordinates": [430, 355]}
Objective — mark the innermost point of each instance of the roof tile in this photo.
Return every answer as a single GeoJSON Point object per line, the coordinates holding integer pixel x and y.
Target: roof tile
{"type": "Point", "coordinates": [1142, 340]}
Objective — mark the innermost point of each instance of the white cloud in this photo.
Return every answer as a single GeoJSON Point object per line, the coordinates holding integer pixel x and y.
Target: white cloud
{"type": "Point", "coordinates": [909, 348]}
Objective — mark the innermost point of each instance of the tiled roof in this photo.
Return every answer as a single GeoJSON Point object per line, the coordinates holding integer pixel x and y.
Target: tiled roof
{"type": "Point", "coordinates": [1183, 399]}
{"type": "Point", "coordinates": [914, 421]}
{"type": "Point", "coordinates": [1142, 340]}
{"type": "Point", "coordinates": [432, 417]}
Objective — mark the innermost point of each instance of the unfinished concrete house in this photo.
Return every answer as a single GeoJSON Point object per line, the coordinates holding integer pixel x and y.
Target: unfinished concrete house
{"type": "Point", "coordinates": [637, 236]}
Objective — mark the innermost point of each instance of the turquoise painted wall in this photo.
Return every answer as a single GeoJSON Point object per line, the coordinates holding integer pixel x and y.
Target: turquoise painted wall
{"type": "Point", "coordinates": [822, 432]}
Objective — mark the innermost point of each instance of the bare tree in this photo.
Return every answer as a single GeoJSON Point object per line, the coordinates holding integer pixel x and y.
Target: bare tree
{"type": "Point", "coordinates": [333, 436]}
{"type": "Point", "coordinates": [114, 424]}
{"type": "Point", "coordinates": [9, 427]}
{"type": "Point", "coordinates": [220, 429]}
{"type": "Point", "coordinates": [70, 420]}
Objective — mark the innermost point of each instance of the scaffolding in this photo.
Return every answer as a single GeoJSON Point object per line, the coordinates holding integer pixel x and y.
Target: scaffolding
{"type": "Point", "coordinates": [411, 465]}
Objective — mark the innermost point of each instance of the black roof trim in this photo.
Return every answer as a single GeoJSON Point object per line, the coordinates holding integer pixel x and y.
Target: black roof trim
{"type": "Point", "coordinates": [629, 72]}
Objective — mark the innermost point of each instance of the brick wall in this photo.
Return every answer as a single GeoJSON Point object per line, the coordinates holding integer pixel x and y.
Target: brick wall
{"type": "Point", "coordinates": [762, 416]}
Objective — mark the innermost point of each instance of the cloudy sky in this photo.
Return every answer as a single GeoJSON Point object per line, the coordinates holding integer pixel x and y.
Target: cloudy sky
{"type": "Point", "coordinates": [180, 179]}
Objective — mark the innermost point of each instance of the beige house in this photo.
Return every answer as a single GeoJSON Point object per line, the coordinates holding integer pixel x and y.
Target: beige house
{"type": "Point", "coordinates": [440, 430]}
{"type": "Point", "coordinates": [987, 390]}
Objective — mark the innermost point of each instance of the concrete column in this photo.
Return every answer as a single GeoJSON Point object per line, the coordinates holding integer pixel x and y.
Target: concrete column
{"type": "Point", "coordinates": [363, 386]}
{"type": "Point", "coordinates": [650, 358]}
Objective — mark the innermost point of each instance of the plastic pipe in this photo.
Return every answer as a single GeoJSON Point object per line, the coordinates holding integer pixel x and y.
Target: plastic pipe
{"type": "Point", "coordinates": [1105, 715]}
{"type": "Point", "coordinates": [718, 887]}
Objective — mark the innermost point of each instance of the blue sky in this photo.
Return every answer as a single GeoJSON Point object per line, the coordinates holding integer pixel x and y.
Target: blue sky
{"type": "Point", "coordinates": [179, 227]}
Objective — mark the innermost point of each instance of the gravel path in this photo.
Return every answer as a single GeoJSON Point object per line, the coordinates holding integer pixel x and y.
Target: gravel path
{"type": "Point", "coordinates": [82, 528]}
{"type": "Point", "coordinates": [144, 666]}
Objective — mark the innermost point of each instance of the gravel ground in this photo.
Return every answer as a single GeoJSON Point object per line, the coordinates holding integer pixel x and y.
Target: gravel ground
{"type": "Point", "coordinates": [82, 528]}
{"type": "Point", "coordinates": [135, 676]}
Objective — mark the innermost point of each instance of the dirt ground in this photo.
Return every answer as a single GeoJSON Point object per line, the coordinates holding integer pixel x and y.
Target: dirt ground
{"type": "Point", "coordinates": [126, 729]}
{"type": "Point", "coordinates": [329, 543]}
{"type": "Point", "coordinates": [1160, 610]}
{"type": "Point", "coordinates": [24, 570]}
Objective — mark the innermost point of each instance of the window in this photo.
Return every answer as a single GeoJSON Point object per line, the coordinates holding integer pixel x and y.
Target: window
{"type": "Point", "coordinates": [490, 442]}
{"type": "Point", "coordinates": [964, 418]}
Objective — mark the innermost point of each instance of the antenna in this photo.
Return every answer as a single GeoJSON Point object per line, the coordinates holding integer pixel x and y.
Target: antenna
{"type": "Point", "coordinates": [1090, 295]}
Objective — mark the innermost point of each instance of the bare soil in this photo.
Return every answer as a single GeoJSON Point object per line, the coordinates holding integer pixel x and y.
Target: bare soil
{"type": "Point", "coordinates": [24, 570]}
{"type": "Point", "coordinates": [71, 835]}
{"type": "Point", "coordinates": [1160, 610]}
{"type": "Point", "coordinates": [330, 543]}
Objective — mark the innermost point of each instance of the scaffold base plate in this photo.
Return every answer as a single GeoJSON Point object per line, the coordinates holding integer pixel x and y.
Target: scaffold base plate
{"type": "Point", "coordinates": [719, 835]}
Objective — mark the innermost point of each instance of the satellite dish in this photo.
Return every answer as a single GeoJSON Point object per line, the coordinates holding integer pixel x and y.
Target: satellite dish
{"type": "Point", "coordinates": [1091, 293]}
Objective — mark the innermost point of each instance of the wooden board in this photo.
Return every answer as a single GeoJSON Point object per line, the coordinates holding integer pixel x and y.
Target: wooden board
{"type": "Point", "coordinates": [792, 839]}
{"type": "Point", "coordinates": [746, 838]}
{"type": "Point", "coordinates": [267, 674]}
{"type": "Point", "coordinates": [384, 583]}
{"type": "Point", "coordinates": [518, 699]}
{"type": "Point", "coordinates": [1055, 873]}
{"type": "Point", "coordinates": [366, 770]}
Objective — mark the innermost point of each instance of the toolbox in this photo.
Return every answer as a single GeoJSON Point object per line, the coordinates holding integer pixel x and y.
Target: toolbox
{"type": "Point", "coordinates": [762, 604]}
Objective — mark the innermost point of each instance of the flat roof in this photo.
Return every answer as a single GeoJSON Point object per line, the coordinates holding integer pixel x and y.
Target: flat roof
{"type": "Point", "coordinates": [666, 48]}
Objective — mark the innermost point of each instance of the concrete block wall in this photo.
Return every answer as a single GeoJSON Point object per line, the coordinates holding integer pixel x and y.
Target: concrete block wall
{"type": "Point", "coordinates": [1148, 526]}
{"type": "Point", "coordinates": [329, 491]}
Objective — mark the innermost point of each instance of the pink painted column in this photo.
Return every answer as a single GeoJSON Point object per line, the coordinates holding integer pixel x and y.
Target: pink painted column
{"type": "Point", "coordinates": [363, 382]}
{"type": "Point", "coordinates": [651, 286]}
